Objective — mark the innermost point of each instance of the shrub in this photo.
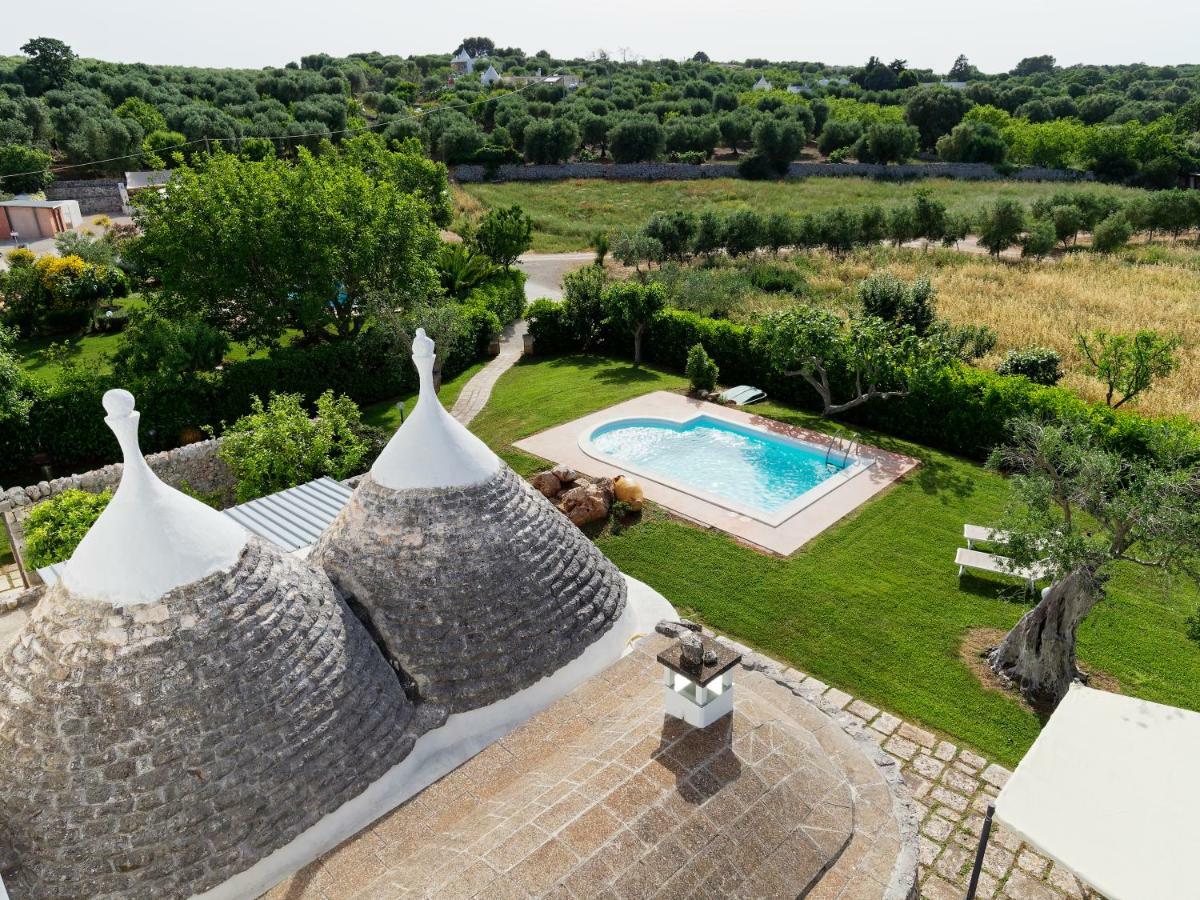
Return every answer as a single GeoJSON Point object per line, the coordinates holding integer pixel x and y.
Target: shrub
{"type": "Point", "coordinates": [553, 332]}
{"type": "Point", "coordinates": [583, 303]}
{"type": "Point", "coordinates": [1041, 365]}
{"type": "Point", "coordinates": [502, 293]}
{"type": "Point", "coordinates": [887, 142]}
{"type": "Point", "coordinates": [777, 278]}
{"type": "Point", "coordinates": [1001, 225]}
{"type": "Point", "coordinates": [838, 134]}
{"type": "Point", "coordinates": [55, 527]}
{"type": "Point", "coordinates": [742, 232]}
{"type": "Point", "coordinates": [504, 234]}
{"type": "Point", "coordinates": [278, 445]}
{"type": "Point", "coordinates": [1040, 240]}
{"type": "Point", "coordinates": [673, 230]}
{"type": "Point", "coordinates": [550, 140]}
{"type": "Point", "coordinates": [972, 142]}
{"type": "Point", "coordinates": [1112, 234]}
{"type": "Point", "coordinates": [778, 143]}
{"type": "Point", "coordinates": [636, 140]}
{"type": "Point", "coordinates": [701, 371]}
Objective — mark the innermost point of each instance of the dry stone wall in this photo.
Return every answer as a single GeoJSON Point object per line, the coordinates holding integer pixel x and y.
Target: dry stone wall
{"type": "Point", "coordinates": [99, 195]}
{"type": "Point", "coordinates": [197, 466]}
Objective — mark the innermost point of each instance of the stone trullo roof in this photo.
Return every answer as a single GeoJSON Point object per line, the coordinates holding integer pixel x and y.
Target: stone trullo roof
{"type": "Point", "coordinates": [476, 585]}
{"type": "Point", "coordinates": [158, 738]}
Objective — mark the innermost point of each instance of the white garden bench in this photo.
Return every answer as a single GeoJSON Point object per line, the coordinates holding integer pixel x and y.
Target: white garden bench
{"type": "Point", "coordinates": [975, 533]}
{"type": "Point", "coordinates": [998, 565]}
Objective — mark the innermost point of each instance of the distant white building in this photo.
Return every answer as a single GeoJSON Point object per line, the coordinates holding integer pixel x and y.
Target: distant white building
{"type": "Point", "coordinates": [463, 64]}
{"type": "Point", "coordinates": [954, 85]}
{"type": "Point", "coordinates": [826, 82]}
{"type": "Point", "coordinates": [490, 77]}
{"type": "Point", "coordinates": [799, 89]}
{"type": "Point", "coordinates": [762, 84]}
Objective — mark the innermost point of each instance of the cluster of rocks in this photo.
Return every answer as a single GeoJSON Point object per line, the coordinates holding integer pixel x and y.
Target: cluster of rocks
{"type": "Point", "coordinates": [582, 499]}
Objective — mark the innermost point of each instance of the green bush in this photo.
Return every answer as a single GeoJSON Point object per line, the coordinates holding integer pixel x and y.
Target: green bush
{"type": "Point", "coordinates": [279, 445]}
{"type": "Point", "coordinates": [502, 293]}
{"type": "Point", "coordinates": [701, 371]}
{"type": "Point", "coordinates": [1040, 240]}
{"type": "Point", "coordinates": [1112, 234]}
{"type": "Point", "coordinates": [55, 527]}
{"type": "Point", "coordinates": [1041, 365]}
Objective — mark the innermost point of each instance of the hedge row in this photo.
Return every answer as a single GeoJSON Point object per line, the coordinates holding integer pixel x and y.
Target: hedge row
{"type": "Point", "coordinates": [963, 410]}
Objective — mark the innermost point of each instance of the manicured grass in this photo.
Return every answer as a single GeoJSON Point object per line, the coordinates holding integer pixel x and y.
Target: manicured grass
{"type": "Point", "coordinates": [873, 605]}
{"type": "Point", "coordinates": [385, 415]}
{"type": "Point", "coordinates": [567, 213]}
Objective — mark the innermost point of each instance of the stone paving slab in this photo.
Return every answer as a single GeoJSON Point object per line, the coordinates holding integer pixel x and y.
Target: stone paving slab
{"type": "Point", "coordinates": [603, 796]}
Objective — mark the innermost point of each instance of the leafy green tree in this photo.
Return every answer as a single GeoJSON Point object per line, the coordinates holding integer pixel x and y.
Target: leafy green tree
{"type": "Point", "coordinates": [593, 132]}
{"type": "Point", "coordinates": [1040, 239]}
{"type": "Point", "coordinates": [929, 216]}
{"type": "Point", "coordinates": [145, 114]}
{"type": "Point", "coordinates": [256, 248]}
{"type": "Point", "coordinates": [1068, 221]}
{"type": "Point", "coordinates": [634, 306]}
{"type": "Point", "coordinates": [839, 133]}
{"type": "Point", "coordinates": [583, 303]}
{"type": "Point", "coordinates": [163, 349]}
{"type": "Point", "coordinates": [689, 135]}
{"type": "Point", "coordinates": [165, 149]}
{"type": "Point", "coordinates": [736, 128]}
{"type": "Point", "coordinates": [866, 357]}
{"type": "Point", "coordinates": [958, 226]}
{"type": "Point", "coordinates": [742, 232]}
{"type": "Point", "coordinates": [50, 59]}
{"type": "Point", "coordinates": [632, 248]}
{"type": "Point", "coordinates": [887, 142]}
{"type": "Point", "coordinates": [779, 231]}
{"type": "Point", "coordinates": [962, 70]}
{"type": "Point", "coordinates": [23, 169]}
{"type": "Point", "coordinates": [1001, 226]}
{"type": "Point", "coordinates": [504, 234]}
{"type": "Point", "coordinates": [279, 445]}
{"type": "Point", "coordinates": [707, 239]}
{"type": "Point", "coordinates": [16, 391]}
{"type": "Point", "coordinates": [1128, 365]}
{"type": "Point", "coordinates": [1111, 234]}
{"type": "Point", "coordinates": [459, 142]}
{"type": "Point", "coordinates": [972, 142]}
{"type": "Point", "coordinates": [1032, 65]}
{"type": "Point", "coordinates": [1078, 509]}
{"type": "Point", "coordinates": [778, 143]}
{"type": "Point", "coordinates": [549, 141]}
{"type": "Point", "coordinates": [902, 224]}
{"type": "Point", "coordinates": [673, 230]}
{"type": "Point", "coordinates": [55, 526]}
{"type": "Point", "coordinates": [934, 111]}
{"type": "Point", "coordinates": [637, 139]}
{"type": "Point", "coordinates": [701, 370]}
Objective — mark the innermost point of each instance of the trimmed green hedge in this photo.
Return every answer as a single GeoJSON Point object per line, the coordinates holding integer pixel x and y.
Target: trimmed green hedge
{"type": "Point", "coordinates": [963, 410]}
{"type": "Point", "coordinates": [502, 293]}
{"type": "Point", "coordinates": [67, 422]}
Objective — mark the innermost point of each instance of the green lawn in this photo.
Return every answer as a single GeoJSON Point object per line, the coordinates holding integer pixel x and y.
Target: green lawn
{"type": "Point", "coordinates": [385, 415]}
{"type": "Point", "coordinates": [872, 606]}
{"type": "Point", "coordinates": [567, 213]}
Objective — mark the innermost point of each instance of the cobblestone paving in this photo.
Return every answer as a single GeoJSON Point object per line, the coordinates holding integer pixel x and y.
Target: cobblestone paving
{"type": "Point", "coordinates": [952, 788]}
{"type": "Point", "coordinates": [601, 796]}
{"type": "Point", "coordinates": [475, 393]}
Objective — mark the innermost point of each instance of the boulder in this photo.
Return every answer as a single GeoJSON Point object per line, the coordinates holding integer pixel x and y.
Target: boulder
{"type": "Point", "coordinates": [585, 503]}
{"type": "Point", "coordinates": [629, 491]}
{"type": "Point", "coordinates": [548, 483]}
{"type": "Point", "coordinates": [565, 474]}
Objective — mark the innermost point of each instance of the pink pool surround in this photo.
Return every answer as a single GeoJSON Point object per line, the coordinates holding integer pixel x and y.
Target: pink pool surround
{"type": "Point", "coordinates": [800, 522]}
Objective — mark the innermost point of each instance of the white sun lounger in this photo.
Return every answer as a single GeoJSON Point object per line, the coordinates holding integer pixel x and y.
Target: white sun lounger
{"type": "Point", "coordinates": [742, 395]}
{"type": "Point", "coordinates": [998, 565]}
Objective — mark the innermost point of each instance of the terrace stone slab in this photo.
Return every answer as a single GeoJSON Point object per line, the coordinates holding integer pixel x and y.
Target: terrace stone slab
{"type": "Point", "coordinates": [775, 800]}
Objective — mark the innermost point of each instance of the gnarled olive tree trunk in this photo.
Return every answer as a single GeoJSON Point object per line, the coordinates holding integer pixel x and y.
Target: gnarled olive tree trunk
{"type": "Point", "coordinates": [1038, 655]}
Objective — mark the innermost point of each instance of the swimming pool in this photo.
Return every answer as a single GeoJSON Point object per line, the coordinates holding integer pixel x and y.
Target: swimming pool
{"type": "Point", "coordinates": [748, 470]}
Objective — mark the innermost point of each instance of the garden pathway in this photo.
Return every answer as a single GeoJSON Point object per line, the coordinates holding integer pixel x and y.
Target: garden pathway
{"type": "Point", "coordinates": [476, 392]}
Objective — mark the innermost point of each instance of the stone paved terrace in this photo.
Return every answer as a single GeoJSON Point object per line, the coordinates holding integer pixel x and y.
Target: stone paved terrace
{"type": "Point", "coordinates": [602, 796]}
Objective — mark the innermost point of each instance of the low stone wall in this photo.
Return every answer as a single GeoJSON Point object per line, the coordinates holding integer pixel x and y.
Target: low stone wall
{"type": "Point", "coordinates": [98, 195]}
{"type": "Point", "coordinates": [687, 172]}
{"type": "Point", "coordinates": [196, 465]}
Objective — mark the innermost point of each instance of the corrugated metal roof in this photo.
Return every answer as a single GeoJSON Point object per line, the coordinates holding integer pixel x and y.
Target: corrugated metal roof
{"type": "Point", "coordinates": [289, 519]}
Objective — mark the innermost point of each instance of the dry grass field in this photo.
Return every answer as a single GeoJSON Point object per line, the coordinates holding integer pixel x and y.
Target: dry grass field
{"type": "Point", "coordinates": [1046, 303]}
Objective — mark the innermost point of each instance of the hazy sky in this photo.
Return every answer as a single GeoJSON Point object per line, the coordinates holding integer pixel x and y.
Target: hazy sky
{"type": "Point", "coordinates": [928, 33]}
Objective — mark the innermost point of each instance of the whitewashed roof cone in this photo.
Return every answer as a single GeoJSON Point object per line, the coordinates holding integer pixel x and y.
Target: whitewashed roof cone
{"type": "Point", "coordinates": [188, 701]}
{"type": "Point", "coordinates": [473, 582]}
{"type": "Point", "coordinates": [150, 538]}
{"type": "Point", "coordinates": [432, 449]}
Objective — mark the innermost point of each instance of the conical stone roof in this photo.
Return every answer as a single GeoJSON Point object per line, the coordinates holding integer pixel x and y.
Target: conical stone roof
{"type": "Point", "coordinates": [477, 586]}
{"type": "Point", "coordinates": [156, 748]}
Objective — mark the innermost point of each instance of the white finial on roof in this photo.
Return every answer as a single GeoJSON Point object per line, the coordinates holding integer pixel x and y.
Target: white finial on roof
{"type": "Point", "coordinates": [151, 538]}
{"type": "Point", "coordinates": [432, 449]}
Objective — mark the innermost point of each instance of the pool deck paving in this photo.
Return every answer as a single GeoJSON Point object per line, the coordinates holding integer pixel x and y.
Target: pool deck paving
{"type": "Point", "coordinates": [561, 444]}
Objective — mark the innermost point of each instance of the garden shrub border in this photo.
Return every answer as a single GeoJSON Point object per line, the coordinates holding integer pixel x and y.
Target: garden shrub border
{"type": "Point", "coordinates": [962, 410]}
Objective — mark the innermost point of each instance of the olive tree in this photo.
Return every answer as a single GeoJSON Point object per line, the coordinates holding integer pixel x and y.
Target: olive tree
{"type": "Point", "coordinates": [874, 359]}
{"type": "Point", "coordinates": [633, 306]}
{"type": "Point", "coordinates": [1079, 509]}
{"type": "Point", "coordinates": [504, 234]}
{"type": "Point", "coordinates": [1128, 364]}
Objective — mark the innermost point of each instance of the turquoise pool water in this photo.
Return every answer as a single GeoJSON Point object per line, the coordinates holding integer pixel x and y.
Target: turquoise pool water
{"type": "Point", "coordinates": [749, 467]}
